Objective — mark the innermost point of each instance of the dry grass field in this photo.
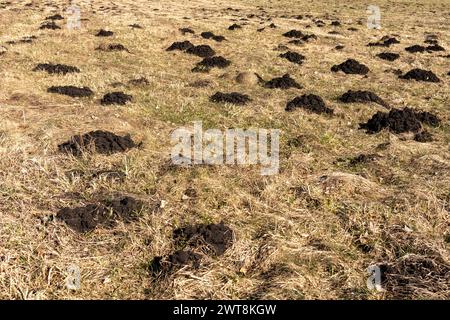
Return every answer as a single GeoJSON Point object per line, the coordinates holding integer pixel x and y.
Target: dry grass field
{"type": "Point", "coordinates": [344, 198]}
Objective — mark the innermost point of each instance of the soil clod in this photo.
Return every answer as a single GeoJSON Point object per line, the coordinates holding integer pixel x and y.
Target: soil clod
{"type": "Point", "coordinates": [183, 46]}
{"type": "Point", "coordinates": [103, 142]}
{"type": "Point", "coordinates": [56, 68]}
{"type": "Point", "coordinates": [233, 98]}
{"type": "Point", "coordinates": [119, 98]}
{"type": "Point", "coordinates": [309, 102]}
{"type": "Point", "coordinates": [361, 96]}
{"type": "Point", "coordinates": [293, 57]}
{"type": "Point", "coordinates": [106, 214]}
{"type": "Point", "coordinates": [389, 56]}
{"type": "Point", "coordinates": [351, 66]}
{"type": "Point", "coordinates": [211, 62]}
{"type": "Point", "coordinates": [217, 237]}
{"type": "Point", "coordinates": [284, 82]}
{"type": "Point", "coordinates": [49, 25]}
{"type": "Point", "coordinates": [104, 33]}
{"type": "Point", "coordinates": [420, 75]}
{"type": "Point", "coordinates": [202, 51]}
{"type": "Point", "coordinates": [400, 121]}
{"type": "Point", "coordinates": [71, 91]}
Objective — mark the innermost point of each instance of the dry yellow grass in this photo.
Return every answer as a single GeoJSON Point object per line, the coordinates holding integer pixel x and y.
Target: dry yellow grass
{"type": "Point", "coordinates": [309, 232]}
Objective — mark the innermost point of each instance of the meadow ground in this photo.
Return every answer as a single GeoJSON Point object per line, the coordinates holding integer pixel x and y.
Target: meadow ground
{"type": "Point", "coordinates": [343, 199]}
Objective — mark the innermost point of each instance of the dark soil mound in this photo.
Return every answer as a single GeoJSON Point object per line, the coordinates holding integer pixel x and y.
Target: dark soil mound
{"type": "Point", "coordinates": [233, 97]}
{"type": "Point", "coordinates": [339, 47]}
{"type": "Point", "coordinates": [87, 218]}
{"type": "Point", "coordinates": [142, 81]}
{"type": "Point", "coordinates": [284, 82]}
{"type": "Point", "coordinates": [308, 37]}
{"type": "Point", "coordinates": [71, 91]}
{"type": "Point", "coordinates": [183, 46]}
{"type": "Point", "coordinates": [210, 35]}
{"type": "Point", "coordinates": [217, 237]}
{"type": "Point", "coordinates": [186, 30]}
{"type": "Point", "coordinates": [399, 121]}
{"type": "Point", "coordinates": [335, 23]}
{"type": "Point", "coordinates": [309, 102]}
{"type": "Point", "coordinates": [55, 17]}
{"type": "Point", "coordinates": [293, 57]}
{"type": "Point", "coordinates": [56, 68]}
{"type": "Point", "coordinates": [361, 97]}
{"type": "Point", "coordinates": [296, 42]}
{"type": "Point", "coordinates": [389, 56]}
{"type": "Point", "coordinates": [49, 25]}
{"type": "Point", "coordinates": [116, 98]}
{"type": "Point", "coordinates": [202, 51]}
{"type": "Point", "coordinates": [428, 118]}
{"type": "Point", "coordinates": [386, 41]}
{"type": "Point", "coordinates": [423, 136]}
{"type": "Point", "coordinates": [212, 62]}
{"type": "Point", "coordinates": [234, 26]}
{"type": "Point", "coordinates": [112, 47]}
{"type": "Point", "coordinates": [420, 75]}
{"type": "Point", "coordinates": [416, 48]}
{"type": "Point", "coordinates": [99, 141]}
{"type": "Point", "coordinates": [294, 34]}
{"type": "Point", "coordinates": [180, 258]}
{"type": "Point", "coordinates": [435, 47]}
{"type": "Point", "coordinates": [135, 26]}
{"type": "Point", "coordinates": [104, 33]}
{"type": "Point", "coordinates": [351, 66]}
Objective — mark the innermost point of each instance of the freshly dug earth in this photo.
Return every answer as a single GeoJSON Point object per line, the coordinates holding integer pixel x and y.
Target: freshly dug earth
{"type": "Point", "coordinates": [104, 33]}
{"type": "Point", "coordinates": [71, 91]}
{"type": "Point", "coordinates": [106, 214]}
{"type": "Point", "coordinates": [142, 81]}
{"type": "Point", "coordinates": [55, 17]}
{"type": "Point", "coordinates": [420, 75]}
{"type": "Point", "coordinates": [217, 237]}
{"type": "Point", "coordinates": [293, 57]}
{"type": "Point", "coordinates": [399, 121]}
{"type": "Point", "coordinates": [309, 102]}
{"type": "Point", "coordinates": [186, 30]}
{"type": "Point", "coordinates": [389, 56]}
{"type": "Point", "coordinates": [423, 136]}
{"type": "Point", "coordinates": [103, 142]}
{"type": "Point", "coordinates": [49, 25]}
{"type": "Point", "coordinates": [233, 98]}
{"type": "Point", "coordinates": [416, 48]}
{"type": "Point", "coordinates": [212, 62]}
{"type": "Point", "coordinates": [112, 47]}
{"type": "Point", "coordinates": [234, 26]}
{"type": "Point", "coordinates": [361, 96]}
{"type": "Point", "coordinates": [293, 34]}
{"type": "Point", "coordinates": [116, 98]}
{"type": "Point", "coordinates": [386, 41]}
{"type": "Point", "coordinates": [56, 68]}
{"type": "Point", "coordinates": [160, 265]}
{"type": "Point", "coordinates": [284, 82]}
{"type": "Point", "coordinates": [183, 46]}
{"type": "Point", "coordinates": [202, 51]}
{"type": "Point", "coordinates": [210, 35]}
{"type": "Point", "coordinates": [351, 66]}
